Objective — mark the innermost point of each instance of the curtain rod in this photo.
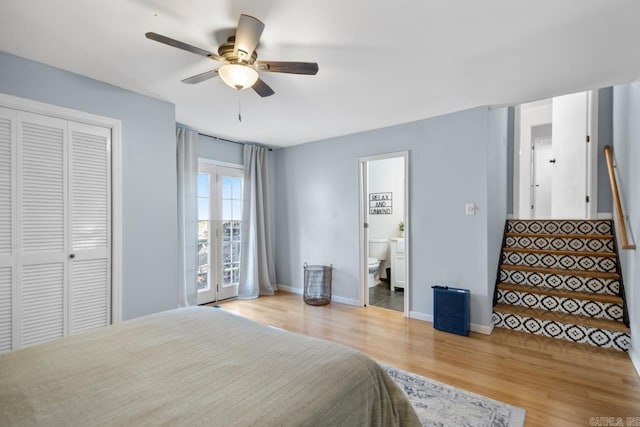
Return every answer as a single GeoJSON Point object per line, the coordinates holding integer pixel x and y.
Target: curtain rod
{"type": "Point", "coordinates": [217, 137]}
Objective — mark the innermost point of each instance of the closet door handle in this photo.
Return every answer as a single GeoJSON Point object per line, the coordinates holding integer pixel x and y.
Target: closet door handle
{"type": "Point", "coordinates": [72, 256]}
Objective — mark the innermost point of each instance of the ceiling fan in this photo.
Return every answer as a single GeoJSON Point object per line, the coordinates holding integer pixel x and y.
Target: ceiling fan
{"type": "Point", "coordinates": [240, 59]}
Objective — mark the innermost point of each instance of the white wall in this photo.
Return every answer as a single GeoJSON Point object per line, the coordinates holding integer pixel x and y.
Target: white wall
{"type": "Point", "coordinates": [626, 146]}
{"type": "Point", "coordinates": [317, 207]}
{"type": "Point", "coordinates": [149, 199]}
{"type": "Point", "coordinates": [387, 176]}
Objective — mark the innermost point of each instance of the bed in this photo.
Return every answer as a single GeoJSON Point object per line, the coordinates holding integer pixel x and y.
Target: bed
{"type": "Point", "coordinates": [196, 366]}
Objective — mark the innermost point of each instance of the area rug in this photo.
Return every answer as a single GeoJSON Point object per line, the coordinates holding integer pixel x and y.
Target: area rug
{"type": "Point", "coordinates": [439, 404]}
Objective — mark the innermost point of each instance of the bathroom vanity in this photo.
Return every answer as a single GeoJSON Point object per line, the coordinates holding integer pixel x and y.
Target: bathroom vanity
{"type": "Point", "coordinates": [397, 263]}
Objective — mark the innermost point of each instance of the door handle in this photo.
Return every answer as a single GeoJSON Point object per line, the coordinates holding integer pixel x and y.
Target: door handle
{"type": "Point", "coordinates": [72, 256]}
{"type": "Point", "coordinates": [552, 161]}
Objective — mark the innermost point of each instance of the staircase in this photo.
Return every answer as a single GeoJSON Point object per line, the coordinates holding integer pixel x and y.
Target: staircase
{"type": "Point", "coordinates": [561, 279]}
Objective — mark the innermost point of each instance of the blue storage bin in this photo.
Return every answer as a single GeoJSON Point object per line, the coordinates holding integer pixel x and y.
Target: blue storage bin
{"type": "Point", "coordinates": [451, 309]}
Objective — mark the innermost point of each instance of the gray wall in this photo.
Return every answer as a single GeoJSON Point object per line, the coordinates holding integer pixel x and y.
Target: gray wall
{"type": "Point", "coordinates": [317, 209]}
{"type": "Point", "coordinates": [496, 190]}
{"type": "Point", "coordinates": [605, 137]}
{"type": "Point", "coordinates": [510, 141]}
{"type": "Point", "coordinates": [626, 146]}
{"type": "Point", "coordinates": [220, 150]}
{"type": "Point", "coordinates": [149, 209]}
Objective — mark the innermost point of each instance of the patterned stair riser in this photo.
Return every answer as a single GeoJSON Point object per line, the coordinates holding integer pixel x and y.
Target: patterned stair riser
{"type": "Point", "coordinates": [561, 281]}
{"type": "Point", "coordinates": [596, 309]}
{"type": "Point", "coordinates": [560, 244]}
{"type": "Point", "coordinates": [605, 338]}
{"type": "Point", "coordinates": [560, 227]}
{"type": "Point", "coordinates": [569, 262]}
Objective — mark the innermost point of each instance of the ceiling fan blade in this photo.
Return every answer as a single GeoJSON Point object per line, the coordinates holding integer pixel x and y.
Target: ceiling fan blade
{"type": "Point", "coordinates": [201, 77]}
{"type": "Point", "coordinates": [184, 46]}
{"type": "Point", "coordinates": [247, 36]}
{"type": "Point", "coordinates": [309, 68]}
{"type": "Point", "coordinates": [262, 88]}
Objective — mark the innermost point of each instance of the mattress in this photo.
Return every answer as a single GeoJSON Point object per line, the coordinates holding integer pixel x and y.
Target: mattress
{"type": "Point", "coordinates": [196, 366]}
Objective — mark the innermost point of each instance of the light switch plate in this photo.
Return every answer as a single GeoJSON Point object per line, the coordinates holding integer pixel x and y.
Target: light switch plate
{"type": "Point", "coordinates": [470, 208]}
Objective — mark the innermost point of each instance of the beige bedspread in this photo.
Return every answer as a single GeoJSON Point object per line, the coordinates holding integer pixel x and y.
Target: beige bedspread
{"type": "Point", "coordinates": [196, 366]}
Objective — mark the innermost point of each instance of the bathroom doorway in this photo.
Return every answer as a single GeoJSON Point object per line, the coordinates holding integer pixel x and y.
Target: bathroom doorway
{"type": "Point", "coordinates": [384, 231]}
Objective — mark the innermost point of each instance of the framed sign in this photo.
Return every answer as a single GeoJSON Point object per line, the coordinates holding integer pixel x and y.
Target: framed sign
{"type": "Point", "coordinates": [380, 204]}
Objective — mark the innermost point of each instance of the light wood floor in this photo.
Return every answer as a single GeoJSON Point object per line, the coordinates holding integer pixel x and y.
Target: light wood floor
{"type": "Point", "coordinates": [558, 383]}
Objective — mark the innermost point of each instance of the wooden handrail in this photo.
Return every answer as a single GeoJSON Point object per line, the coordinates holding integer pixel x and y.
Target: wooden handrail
{"type": "Point", "coordinates": [616, 200]}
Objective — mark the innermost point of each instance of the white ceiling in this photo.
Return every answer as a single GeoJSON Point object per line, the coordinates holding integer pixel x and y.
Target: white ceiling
{"type": "Point", "coordinates": [381, 62]}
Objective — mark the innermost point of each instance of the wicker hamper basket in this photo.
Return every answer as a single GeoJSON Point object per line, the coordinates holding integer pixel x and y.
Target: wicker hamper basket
{"type": "Point", "coordinates": [317, 284]}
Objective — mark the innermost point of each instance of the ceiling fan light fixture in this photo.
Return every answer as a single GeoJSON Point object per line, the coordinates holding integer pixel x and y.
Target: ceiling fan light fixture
{"type": "Point", "coordinates": [238, 76]}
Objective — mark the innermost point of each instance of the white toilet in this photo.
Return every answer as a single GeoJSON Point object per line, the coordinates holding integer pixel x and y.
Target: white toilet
{"type": "Point", "coordinates": [377, 255]}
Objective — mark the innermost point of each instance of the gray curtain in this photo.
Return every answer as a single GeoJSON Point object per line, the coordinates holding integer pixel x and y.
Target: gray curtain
{"type": "Point", "coordinates": [187, 154]}
{"type": "Point", "coordinates": [257, 266]}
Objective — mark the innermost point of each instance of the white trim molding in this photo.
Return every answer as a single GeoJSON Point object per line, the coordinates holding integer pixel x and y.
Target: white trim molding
{"type": "Point", "coordinates": [115, 126]}
{"type": "Point", "coordinates": [293, 290]}
{"type": "Point", "coordinates": [363, 255]}
{"type": "Point", "coordinates": [334, 298]}
{"type": "Point", "coordinates": [421, 316]}
{"type": "Point", "coordinates": [481, 329]}
{"type": "Point", "coordinates": [635, 359]}
{"type": "Point", "coordinates": [343, 300]}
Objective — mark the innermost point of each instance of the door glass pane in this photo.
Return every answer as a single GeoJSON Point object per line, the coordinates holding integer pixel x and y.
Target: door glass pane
{"type": "Point", "coordinates": [226, 187]}
{"type": "Point", "coordinates": [203, 185]}
{"type": "Point", "coordinates": [226, 252]}
{"type": "Point", "coordinates": [231, 225]}
{"type": "Point", "coordinates": [204, 234]}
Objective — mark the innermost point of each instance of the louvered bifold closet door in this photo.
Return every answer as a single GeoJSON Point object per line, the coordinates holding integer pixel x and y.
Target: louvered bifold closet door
{"type": "Point", "coordinates": [7, 221]}
{"type": "Point", "coordinates": [90, 219]}
{"type": "Point", "coordinates": [42, 210]}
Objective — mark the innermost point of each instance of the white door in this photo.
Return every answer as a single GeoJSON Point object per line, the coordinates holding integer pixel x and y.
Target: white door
{"type": "Point", "coordinates": [55, 215]}
{"type": "Point", "coordinates": [8, 238]}
{"type": "Point", "coordinates": [219, 231]}
{"type": "Point", "coordinates": [43, 248]}
{"type": "Point", "coordinates": [569, 178]}
{"type": "Point", "coordinates": [542, 170]}
{"type": "Point", "coordinates": [90, 227]}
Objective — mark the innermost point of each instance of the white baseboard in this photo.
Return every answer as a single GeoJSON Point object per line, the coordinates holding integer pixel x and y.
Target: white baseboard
{"type": "Point", "coordinates": [421, 316]}
{"type": "Point", "coordinates": [510, 216]}
{"type": "Point", "coordinates": [635, 359]}
{"type": "Point", "coordinates": [481, 329]}
{"type": "Point", "coordinates": [334, 298]}
{"type": "Point", "coordinates": [291, 289]}
{"type": "Point", "coordinates": [604, 215]}
{"type": "Point", "coordinates": [343, 300]}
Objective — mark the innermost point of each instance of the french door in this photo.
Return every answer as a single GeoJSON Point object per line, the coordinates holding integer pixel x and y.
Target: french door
{"type": "Point", "coordinates": [219, 228]}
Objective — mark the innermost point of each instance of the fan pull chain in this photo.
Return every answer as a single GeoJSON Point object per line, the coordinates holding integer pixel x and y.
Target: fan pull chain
{"type": "Point", "coordinates": [239, 106]}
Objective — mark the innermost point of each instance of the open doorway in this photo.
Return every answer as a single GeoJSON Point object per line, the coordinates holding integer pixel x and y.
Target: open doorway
{"type": "Point", "coordinates": [555, 158]}
{"type": "Point", "coordinates": [384, 231]}
{"type": "Point", "coordinates": [541, 170]}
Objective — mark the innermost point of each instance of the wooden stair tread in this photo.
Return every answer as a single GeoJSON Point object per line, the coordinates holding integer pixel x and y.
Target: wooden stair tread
{"type": "Point", "coordinates": [563, 236]}
{"type": "Point", "coordinates": [589, 296]}
{"type": "Point", "coordinates": [554, 252]}
{"type": "Point", "coordinates": [561, 317]}
{"type": "Point", "coordinates": [563, 272]}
